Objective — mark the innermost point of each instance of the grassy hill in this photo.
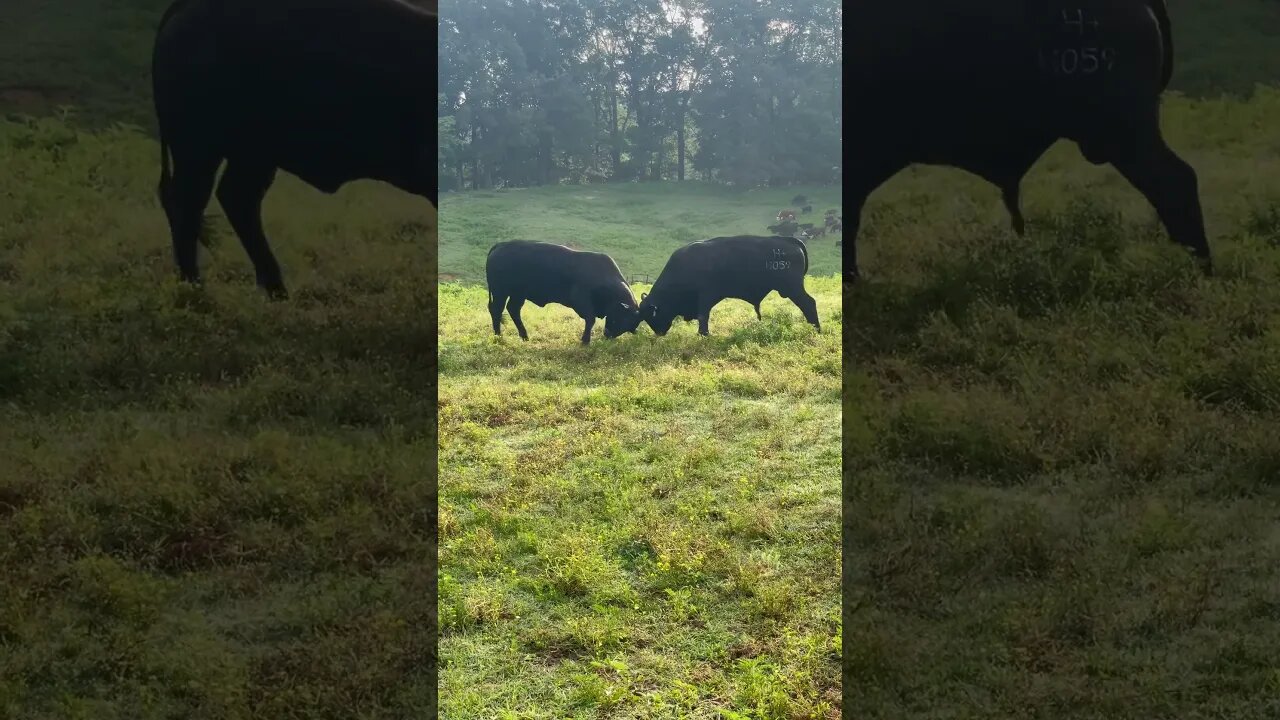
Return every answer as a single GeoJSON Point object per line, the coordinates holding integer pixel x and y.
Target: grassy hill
{"type": "Point", "coordinates": [1060, 455]}
{"type": "Point", "coordinates": [645, 527]}
{"type": "Point", "coordinates": [637, 224]}
{"type": "Point", "coordinates": [1061, 461]}
{"type": "Point", "coordinates": [90, 55]}
{"type": "Point", "coordinates": [210, 504]}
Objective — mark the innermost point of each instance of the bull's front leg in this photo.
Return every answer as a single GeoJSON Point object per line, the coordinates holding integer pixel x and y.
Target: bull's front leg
{"type": "Point", "coordinates": [873, 169]}
{"type": "Point", "coordinates": [705, 303]}
{"type": "Point", "coordinates": [580, 301]}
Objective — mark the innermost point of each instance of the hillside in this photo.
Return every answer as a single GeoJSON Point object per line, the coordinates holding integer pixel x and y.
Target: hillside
{"type": "Point", "coordinates": [208, 502]}
{"type": "Point", "coordinates": [638, 224]}
{"type": "Point", "coordinates": [1062, 476]}
{"type": "Point", "coordinates": [650, 522]}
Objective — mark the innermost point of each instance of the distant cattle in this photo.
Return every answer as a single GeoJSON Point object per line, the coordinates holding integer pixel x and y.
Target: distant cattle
{"type": "Point", "coordinates": [701, 274]}
{"type": "Point", "coordinates": [799, 200]}
{"type": "Point", "coordinates": [787, 228]}
{"type": "Point", "coordinates": [989, 85]}
{"type": "Point", "coordinates": [589, 283]}
{"type": "Point", "coordinates": [806, 209]}
{"type": "Point", "coordinates": [328, 90]}
{"type": "Point", "coordinates": [784, 215]}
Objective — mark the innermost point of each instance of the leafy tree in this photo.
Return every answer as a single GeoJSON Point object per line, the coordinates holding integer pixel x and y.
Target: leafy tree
{"type": "Point", "coordinates": [592, 90]}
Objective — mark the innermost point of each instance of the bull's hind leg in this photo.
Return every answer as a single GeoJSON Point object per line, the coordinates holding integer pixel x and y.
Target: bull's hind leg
{"type": "Point", "coordinates": [184, 198]}
{"type": "Point", "coordinates": [1010, 195]}
{"type": "Point", "coordinates": [1141, 155]}
{"type": "Point", "coordinates": [240, 193]}
{"type": "Point", "coordinates": [873, 173]}
{"type": "Point", "coordinates": [513, 307]}
{"type": "Point", "coordinates": [1170, 185]}
{"type": "Point", "coordinates": [807, 304]}
{"type": "Point", "coordinates": [849, 256]}
{"type": "Point", "coordinates": [495, 312]}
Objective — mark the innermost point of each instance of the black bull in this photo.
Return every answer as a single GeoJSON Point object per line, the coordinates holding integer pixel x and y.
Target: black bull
{"type": "Point", "coordinates": [989, 85]}
{"type": "Point", "coordinates": [328, 90]}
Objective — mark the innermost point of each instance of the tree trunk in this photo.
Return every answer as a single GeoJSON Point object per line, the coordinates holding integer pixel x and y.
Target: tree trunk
{"type": "Point", "coordinates": [475, 156]}
{"type": "Point", "coordinates": [680, 139]}
{"type": "Point", "coordinates": [615, 141]}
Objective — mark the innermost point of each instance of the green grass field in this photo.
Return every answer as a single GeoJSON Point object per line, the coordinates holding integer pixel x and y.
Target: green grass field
{"type": "Point", "coordinates": [646, 527]}
{"type": "Point", "coordinates": [1062, 453]}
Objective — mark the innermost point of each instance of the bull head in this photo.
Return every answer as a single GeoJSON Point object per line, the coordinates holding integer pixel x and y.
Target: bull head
{"type": "Point", "coordinates": [622, 318]}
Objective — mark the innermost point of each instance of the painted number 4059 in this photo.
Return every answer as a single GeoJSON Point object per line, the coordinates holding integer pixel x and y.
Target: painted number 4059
{"type": "Point", "coordinates": [1083, 61]}
{"type": "Point", "coordinates": [777, 263]}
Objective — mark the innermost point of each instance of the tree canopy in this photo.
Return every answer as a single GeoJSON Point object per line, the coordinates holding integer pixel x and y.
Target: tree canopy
{"type": "Point", "coordinates": [552, 91]}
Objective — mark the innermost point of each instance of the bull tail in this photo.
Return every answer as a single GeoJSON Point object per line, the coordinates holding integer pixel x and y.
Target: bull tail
{"type": "Point", "coordinates": [166, 172]}
{"type": "Point", "coordinates": [1160, 9]}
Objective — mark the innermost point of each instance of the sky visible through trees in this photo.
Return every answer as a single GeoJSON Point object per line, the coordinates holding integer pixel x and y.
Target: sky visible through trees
{"type": "Point", "coordinates": [581, 91]}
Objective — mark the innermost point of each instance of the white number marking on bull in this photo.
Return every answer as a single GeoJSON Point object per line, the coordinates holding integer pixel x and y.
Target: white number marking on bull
{"type": "Point", "coordinates": [1069, 66]}
{"type": "Point", "coordinates": [1067, 22]}
{"type": "Point", "coordinates": [1109, 54]}
{"type": "Point", "coordinates": [1079, 22]}
{"type": "Point", "coordinates": [777, 264]}
{"type": "Point", "coordinates": [1089, 55]}
{"type": "Point", "coordinates": [1082, 61]}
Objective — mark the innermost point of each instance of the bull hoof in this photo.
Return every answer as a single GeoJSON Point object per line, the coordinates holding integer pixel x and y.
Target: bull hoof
{"type": "Point", "coordinates": [277, 294]}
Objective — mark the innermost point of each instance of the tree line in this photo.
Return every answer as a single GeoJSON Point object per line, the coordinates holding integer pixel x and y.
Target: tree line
{"type": "Point", "coordinates": [743, 92]}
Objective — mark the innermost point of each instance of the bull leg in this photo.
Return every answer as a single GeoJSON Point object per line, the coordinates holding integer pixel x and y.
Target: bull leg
{"type": "Point", "coordinates": [808, 306]}
{"type": "Point", "coordinates": [1007, 172]}
{"type": "Point", "coordinates": [581, 302]}
{"type": "Point", "coordinates": [756, 305]}
{"type": "Point", "coordinates": [495, 312]}
{"type": "Point", "coordinates": [184, 197]}
{"type": "Point", "coordinates": [849, 256]}
{"type": "Point", "coordinates": [1010, 194]}
{"type": "Point", "coordinates": [704, 314]}
{"type": "Point", "coordinates": [513, 307]}
{"type": "Point", "coordinates": [873, 175]}
{"type": "Point", "coordinates": [1170, 185]}
{"type": "Point", "coordinates": [240, 193]}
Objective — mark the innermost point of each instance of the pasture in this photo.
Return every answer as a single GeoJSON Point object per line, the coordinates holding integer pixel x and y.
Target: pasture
{"type": "Point", "coordinates": [211, 506]}
{"type": "Point", "coordinates": [1061, 457]}
{"type": "Point", "coordinates": [645, 527]}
